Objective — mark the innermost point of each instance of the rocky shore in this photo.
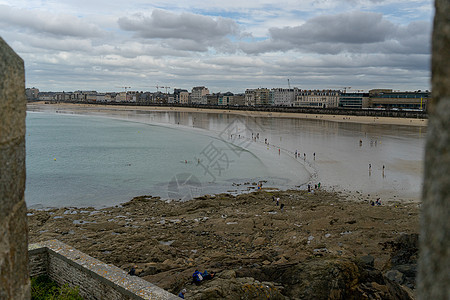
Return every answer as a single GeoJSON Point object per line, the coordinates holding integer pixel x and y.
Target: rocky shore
{"type": "Point", "coordinates": [319, 246]}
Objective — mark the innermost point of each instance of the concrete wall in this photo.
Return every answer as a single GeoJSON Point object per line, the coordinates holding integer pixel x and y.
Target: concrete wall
{"type": "Point", "coordinates": [434, 262]}
{"type": "Point", "coordinates": [14, 279]}
{"type": "Point", "coordinates": [304, 110]}
{"type": "Point", "coordinates": [95, 279]}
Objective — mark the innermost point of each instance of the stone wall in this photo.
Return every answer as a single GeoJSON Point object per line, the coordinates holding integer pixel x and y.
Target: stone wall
{"type": "Point", "coordinates": [96, 280]}
{"type": "Point", "coordinates": [14, 279]}
{"type": "Point", "coordinates": [434, 264]}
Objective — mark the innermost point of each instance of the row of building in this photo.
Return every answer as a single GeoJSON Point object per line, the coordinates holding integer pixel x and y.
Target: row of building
{"type": "Point", "coordinates": [291, 97]}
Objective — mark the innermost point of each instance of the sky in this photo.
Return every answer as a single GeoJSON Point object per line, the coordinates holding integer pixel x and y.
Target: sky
{"type": "Point", "coordinates": [231, 45]}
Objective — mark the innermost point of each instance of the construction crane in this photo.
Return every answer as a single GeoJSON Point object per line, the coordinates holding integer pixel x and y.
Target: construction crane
{"type": "Point", "coordinates": [166, 87]}
{"type": "Point", "coordinates": [161, 87]}
{"type": "Point", "coordinates": [124, 87]}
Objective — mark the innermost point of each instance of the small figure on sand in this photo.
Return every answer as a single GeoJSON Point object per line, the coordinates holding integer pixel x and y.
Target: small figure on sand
{"type": "Point", "coordinates": [309, 188]}
{"type": "Point", "coordinates": [279, 151]}
{"type": "Point", "coordinates": [314, 154]}
{"type": "Point", "coordinates": [318, 185]}
{"type": "Point", "coordinates": [378, 202]}
{"type": "Point", "coordinates": [281, 206]}
{"type": "Point", "coordinates": [360, 143]}
{"type": "Point", "coordinates": [278, 201]}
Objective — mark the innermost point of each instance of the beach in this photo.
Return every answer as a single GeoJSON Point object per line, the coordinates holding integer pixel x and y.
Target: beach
{"type": "Point", "coordinates": [281, 244]}
{"type": "Point", "coordinates": [381, 157]}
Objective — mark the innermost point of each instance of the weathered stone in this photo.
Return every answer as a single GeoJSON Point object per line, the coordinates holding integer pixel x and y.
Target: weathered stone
{"type": "Point", "coordinates": [434, 278]}
{"type": "Point", "coordinates": [14, 274]}
{"type": "Point", "coordinates": [368, 260]}
{"type": "Point", "coordinates": [395, 275]}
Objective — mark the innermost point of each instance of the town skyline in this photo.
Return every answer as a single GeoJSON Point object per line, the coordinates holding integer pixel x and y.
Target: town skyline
{"type": "Point", "coordinates": [96, 45]}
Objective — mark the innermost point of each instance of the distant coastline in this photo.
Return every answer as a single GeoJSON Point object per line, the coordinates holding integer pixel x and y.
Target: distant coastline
{"type": "Point", "coordinates": [392, 117]}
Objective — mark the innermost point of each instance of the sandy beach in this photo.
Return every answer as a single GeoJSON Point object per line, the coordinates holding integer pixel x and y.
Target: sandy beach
{"type": "Point", "coordinates": [335, 118]}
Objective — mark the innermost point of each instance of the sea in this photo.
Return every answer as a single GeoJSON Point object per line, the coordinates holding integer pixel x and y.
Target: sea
{"type": "Point", "coordinates": [106, 157]}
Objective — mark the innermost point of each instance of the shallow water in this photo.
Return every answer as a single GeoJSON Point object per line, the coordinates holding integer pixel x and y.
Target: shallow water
{"type": "Point", "coordinates": [76, 160]}
{"type": "Point", "coordinates": [103, 161]}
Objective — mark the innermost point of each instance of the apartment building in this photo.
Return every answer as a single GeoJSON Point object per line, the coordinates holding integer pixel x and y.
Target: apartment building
{"type": "Point", "coordinates": [197, 93]}
{"type": "Point", "coordinates": [317, 98]}
{"type": "Point", "coordinates": [32, 93]}
{"type": "Point", "coordinates": [284, 97]}
{"type": "Point", "coordinates": [225, 99]}
{"type": "Point", "coordinates": [258, 97]}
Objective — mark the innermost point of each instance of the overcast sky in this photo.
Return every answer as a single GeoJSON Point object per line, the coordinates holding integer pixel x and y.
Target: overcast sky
{"type": "Point", "coordinates": [228, 45]}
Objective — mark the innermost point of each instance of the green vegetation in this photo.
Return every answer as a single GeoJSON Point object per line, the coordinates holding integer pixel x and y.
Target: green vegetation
{"type": "Point", "coordinates": [43, 288]}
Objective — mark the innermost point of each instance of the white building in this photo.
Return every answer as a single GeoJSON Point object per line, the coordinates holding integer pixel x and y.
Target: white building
{"type": "Point", "coordinates": [317, 98]}
{"type": "Point", "coordinates": [284, 97]}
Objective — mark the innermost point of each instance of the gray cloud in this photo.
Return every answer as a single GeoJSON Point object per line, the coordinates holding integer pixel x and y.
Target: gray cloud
{"type": "Point", "coordinates": [183, 31]}
{"type": "Point", "coordinates": [355, 32]}
{"type": "Point", "coordinates": [349, 28]}
{"type": "Point", "coordinates": [45, 23]}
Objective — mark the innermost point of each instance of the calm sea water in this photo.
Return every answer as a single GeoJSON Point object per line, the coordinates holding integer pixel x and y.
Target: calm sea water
{"type": "Point", "coordinates": [81, 160]}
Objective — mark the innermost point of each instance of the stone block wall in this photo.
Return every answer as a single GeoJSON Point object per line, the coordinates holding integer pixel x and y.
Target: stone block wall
{"type": "Point", "coordinates": [434, 257]}
{"type": "Point", "coordinates": [96, 280]}
{"type": "Point", "coordinates": [14, 279]}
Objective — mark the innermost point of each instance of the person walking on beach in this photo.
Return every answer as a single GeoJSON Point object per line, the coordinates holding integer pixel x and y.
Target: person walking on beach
{"type": "Point", "coordinates": [314, 154]}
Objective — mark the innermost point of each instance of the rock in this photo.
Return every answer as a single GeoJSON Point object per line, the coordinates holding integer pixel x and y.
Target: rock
{"type": "Point", "coordinates": [259, 241]}
{"type": "Point", "coordinates": [367, 260]}
{"type": "Point", "coordinates": [395, 275]}
{"type": "Point", "coordinates": [227, 274]}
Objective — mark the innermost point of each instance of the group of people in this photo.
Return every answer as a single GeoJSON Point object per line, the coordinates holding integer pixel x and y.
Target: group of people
{"type": "Point", "coordinates": [377, 202]}
{"type": "Point", "coordinates": [277, 202]}
{"type": "Point", "coordinates": [316, 186]}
